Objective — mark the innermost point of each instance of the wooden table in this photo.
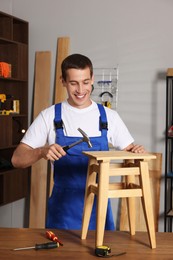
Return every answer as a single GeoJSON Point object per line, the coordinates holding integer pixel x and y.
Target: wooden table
{"type": "Point", "coordinates": [136, 247]}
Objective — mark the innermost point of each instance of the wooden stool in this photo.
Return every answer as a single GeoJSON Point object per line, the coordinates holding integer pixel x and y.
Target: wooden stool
{"type": "Point", "coordinates": [117, 163]}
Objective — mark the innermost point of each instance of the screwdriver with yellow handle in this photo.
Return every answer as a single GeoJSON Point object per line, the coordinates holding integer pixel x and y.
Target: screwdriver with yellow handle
{"type": "Point", "coordinates": [49, 245]}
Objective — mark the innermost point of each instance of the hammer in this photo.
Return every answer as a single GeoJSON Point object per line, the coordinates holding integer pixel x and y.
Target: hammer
{"type": "Point", "coordinates": [84, 139]}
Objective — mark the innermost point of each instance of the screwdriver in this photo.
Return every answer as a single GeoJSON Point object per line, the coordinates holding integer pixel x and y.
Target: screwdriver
{"type": "Point", "coordinates": [49, 245]}
{"type": "Point", "coordinates": [53, 237]}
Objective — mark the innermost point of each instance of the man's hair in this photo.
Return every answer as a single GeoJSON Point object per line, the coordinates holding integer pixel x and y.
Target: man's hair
{"type": "Point", "coordinates": [76, 61]}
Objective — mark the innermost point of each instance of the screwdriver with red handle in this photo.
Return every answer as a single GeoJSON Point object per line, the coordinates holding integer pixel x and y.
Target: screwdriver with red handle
{"type": "Point", "coordinates": [53, 237]}
{"type": "Point", "coordinates": [49, 245]}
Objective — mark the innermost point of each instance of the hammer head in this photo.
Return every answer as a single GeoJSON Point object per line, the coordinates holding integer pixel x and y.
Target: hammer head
{"type": "Point", "coordinates": [85, 137]}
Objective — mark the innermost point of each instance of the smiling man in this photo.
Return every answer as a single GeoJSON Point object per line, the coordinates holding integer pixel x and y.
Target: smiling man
{"type": "Point", "coordinates": [56, 127]}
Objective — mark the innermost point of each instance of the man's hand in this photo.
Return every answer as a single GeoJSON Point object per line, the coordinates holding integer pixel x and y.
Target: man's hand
{"type": "Point", "coordinates": [25, 156]}
{"type": "Point", "coordinates": [135, 148]}
{"type": "Point", "coordinates": [53, 152]}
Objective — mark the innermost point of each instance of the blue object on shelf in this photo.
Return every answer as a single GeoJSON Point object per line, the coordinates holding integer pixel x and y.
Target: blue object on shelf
{"type": "Point", "coordinates": [104, 81]}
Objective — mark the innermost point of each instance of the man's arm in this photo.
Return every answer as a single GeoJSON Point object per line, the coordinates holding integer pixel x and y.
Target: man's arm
{"type": "Point", "coordinates": [135, 148]}
{"type": "Point", "coordinates": [24, 155]}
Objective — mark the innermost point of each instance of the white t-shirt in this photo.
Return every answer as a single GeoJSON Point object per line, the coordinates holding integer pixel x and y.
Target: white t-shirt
{"type": "Point", "coordinates": [42, 129]}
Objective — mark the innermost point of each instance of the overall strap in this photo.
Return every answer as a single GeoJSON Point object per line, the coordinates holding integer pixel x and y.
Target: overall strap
{"type": "Point", "coordinates": [103, 120]}
{"type": "Point", "coordinates": [58, 123]}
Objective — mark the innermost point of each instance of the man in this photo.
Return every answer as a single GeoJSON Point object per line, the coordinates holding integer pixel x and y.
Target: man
{"type": "Point", "coordinates": [56, 127]}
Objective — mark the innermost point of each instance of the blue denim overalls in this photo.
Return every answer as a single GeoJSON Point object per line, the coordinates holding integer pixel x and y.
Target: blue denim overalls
{"type": "Point", "coordinates": [65, 206]}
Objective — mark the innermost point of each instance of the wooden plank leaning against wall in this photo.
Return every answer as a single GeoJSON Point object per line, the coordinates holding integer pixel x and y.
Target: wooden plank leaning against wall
{"type": "Point", "coordinates": [40, 170]}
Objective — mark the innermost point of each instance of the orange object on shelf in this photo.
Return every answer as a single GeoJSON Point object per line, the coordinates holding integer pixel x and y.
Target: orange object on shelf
{"type": "Point", "coordinates": [5, 70]}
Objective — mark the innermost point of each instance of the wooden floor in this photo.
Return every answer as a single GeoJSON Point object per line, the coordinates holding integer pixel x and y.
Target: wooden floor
{"type": "Point", "coordinates": [136, 247]}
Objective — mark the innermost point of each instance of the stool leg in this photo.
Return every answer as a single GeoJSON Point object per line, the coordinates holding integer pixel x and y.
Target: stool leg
{"type": "Point", "coordinates": [88, 200]}
{"type": "Point", "coordinates": [102, 201]}
{"type": "Point", "coordinates": [131, 207]}
{"type": "Point", "coordinates": [147, 203]}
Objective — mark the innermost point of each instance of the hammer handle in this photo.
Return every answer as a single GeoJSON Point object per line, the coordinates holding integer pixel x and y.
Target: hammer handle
{"type": "Point", "coordinates": [65, 148]}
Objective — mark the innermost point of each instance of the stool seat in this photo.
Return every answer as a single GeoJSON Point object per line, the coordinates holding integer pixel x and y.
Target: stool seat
{"type": "Point", "coordinates": [101, 166]}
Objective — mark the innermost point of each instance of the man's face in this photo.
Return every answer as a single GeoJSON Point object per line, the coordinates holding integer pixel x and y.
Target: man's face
{"type": "Point", "coordinates": [79, 86]}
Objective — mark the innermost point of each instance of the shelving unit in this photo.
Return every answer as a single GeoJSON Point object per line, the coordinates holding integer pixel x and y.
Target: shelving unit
{"type": "Point", "coordinates": [169, 153]}
{"type": "Point", "coordinates": [13, 51]}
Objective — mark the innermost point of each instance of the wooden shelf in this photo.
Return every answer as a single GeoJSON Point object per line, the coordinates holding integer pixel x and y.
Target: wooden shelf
{"type": "Point", "coordinates": [170, 72]}
{"type": "Point", "coordinates": [13, 28]}
{"type": "Point", "coordinates": [14, 51]}
{"type": "Point", "coordinates": [14, 181]}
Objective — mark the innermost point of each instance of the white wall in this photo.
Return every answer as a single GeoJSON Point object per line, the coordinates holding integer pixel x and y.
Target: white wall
{"type": "Point", "coordinates": [135, 34]}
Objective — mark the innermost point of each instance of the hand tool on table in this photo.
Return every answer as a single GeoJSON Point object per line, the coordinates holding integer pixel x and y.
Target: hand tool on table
{"type": "Point", "coordinates": [49, 245]}
{"type": "Point", "coordinates": [84, 139]}
{"type": "Point", "coordinates": [104, 251]}
{"type": "Point", "coordinates": [53, 237]}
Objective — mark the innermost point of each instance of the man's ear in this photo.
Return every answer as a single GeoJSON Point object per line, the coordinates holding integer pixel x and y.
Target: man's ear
{"type": "Point", "coordinates": [63, 81]}
{"type": "Point", "coordinates": [92, 80]}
